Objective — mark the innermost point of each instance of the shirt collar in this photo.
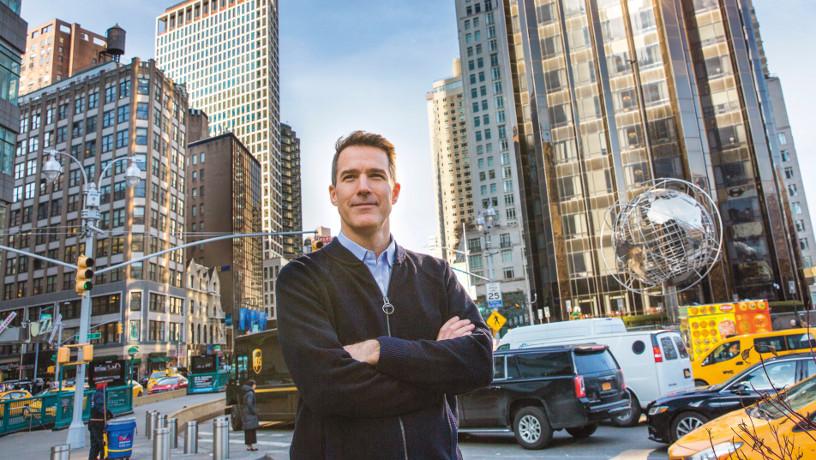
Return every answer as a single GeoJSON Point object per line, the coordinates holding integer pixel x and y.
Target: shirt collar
{"type": "Point", "coordinates": [362, 253]}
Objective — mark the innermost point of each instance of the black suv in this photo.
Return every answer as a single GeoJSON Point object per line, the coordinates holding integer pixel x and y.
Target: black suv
{"type": "Point", "coordinates": [536, 391]}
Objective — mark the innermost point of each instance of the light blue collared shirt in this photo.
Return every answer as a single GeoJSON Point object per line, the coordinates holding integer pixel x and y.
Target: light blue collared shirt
{"type": "Point", "coordinates": [380, 267]}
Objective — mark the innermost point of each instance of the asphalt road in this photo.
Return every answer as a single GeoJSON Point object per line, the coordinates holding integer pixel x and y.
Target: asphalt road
{"type": "Point", "coordinates": [607, 443]}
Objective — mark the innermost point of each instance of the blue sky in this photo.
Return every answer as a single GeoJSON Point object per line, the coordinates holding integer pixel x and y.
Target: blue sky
{"type": "Point", "coordinates": [368, 64]}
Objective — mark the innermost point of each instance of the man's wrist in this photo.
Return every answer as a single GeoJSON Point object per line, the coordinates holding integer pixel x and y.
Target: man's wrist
{"type": "Point", "coordinates": [374, 352]}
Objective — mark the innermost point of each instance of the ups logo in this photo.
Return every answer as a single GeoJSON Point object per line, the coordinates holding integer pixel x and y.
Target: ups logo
{"type": "Point", "coordinates": [257, 360]}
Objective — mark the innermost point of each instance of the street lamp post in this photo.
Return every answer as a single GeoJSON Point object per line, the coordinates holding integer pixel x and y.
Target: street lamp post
{"type": "Point", "coordinates": [90, 215]}
{"type": "Point", "coordinates": [484, 222]}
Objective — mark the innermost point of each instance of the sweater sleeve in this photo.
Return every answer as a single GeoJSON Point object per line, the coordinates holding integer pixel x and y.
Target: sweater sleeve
{"type": "Point", "coordinates": [328, 379]}
{"type": "Point", "coordinates": [452, 366]}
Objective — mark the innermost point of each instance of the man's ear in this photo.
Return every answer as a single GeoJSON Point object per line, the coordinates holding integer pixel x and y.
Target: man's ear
{"type": "Point", "coordinates": [333, 194]}
{"type": "Point", "coordinates": [395, 192]}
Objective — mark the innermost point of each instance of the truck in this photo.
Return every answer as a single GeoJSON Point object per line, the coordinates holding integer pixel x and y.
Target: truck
{"type": "Point", "coordinates": [258, 357]}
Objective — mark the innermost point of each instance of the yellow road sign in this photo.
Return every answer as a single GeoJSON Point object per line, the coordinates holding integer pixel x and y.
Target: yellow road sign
{"type": "Point", "coordinates": [496, 320]}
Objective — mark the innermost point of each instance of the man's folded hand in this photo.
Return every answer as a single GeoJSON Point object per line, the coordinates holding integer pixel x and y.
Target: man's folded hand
{"type": "Point", "coordinates": [455, 328]}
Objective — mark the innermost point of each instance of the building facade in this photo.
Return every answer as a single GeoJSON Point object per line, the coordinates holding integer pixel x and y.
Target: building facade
{"type": "Point", "coordinates": [499, 252]}
{"type": "Point", "coordinates": [224, 196]}
{"type": "Point", "coordinates": [788, 163]}
{"type": "Point", "coordinates": [612, 94]}
{"type": "Point", "coordinates": [205, 317]}
{"type": "Point", "coordinates": [104, 113]}
{"type": "Point", "coordinates": [291, 197]}
{"type": "Point", "coordinates": [451, 162]}
{"type": "Point", "coordinates": [12, 45]}
{"type": "Point", "coordinates": [226, 52]}
{"type": "Point", "coordinates": [56, 50]}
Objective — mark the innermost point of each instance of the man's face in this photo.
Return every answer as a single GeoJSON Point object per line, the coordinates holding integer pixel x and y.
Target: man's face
{"type": "Point", "coordinates": [365, 190]}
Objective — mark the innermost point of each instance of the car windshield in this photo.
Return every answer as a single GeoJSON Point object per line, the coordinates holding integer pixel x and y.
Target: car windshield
{"type": "Point", "coordinates": [158, 375]}
{"type": "Point", "coordinates": [167, 381]}
{"type": "Point", "coordinates": [799, 396]}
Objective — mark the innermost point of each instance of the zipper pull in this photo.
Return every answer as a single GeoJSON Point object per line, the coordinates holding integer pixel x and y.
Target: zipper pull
{"type": "Point", "coordinates": [388, 307]}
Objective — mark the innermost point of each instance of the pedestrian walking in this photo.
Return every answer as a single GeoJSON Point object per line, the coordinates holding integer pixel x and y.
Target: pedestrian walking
{"type": "Point", "coordinates": [378, 339]}
{"type": "Point", "coordinates": [249, 415]}
{"type": "Point", "coordinates": [96, 426]}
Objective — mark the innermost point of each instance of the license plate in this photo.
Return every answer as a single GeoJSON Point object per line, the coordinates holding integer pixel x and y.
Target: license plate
{"type": "Point", "coordinates": [606, 386]}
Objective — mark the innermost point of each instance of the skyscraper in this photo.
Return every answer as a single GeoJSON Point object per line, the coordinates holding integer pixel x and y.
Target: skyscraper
{"type": "Point", "coordinates": [292, 199]}
{"type": "Point", "coordinates": [497, 251]}
{"type": "Point", "coordinates": [224, 185]}
{"type": "Point", "coordinates": [56, 50]}
{"type": "Point", "coordinates": [12, 45]}
{"type": "Point", "coordinates": [451, 163]}
{"type": "Point", "coordinates": [101, 114]}
{"type": "Point", "coordinates": [611, 94]}
{"type": "Point", "coordinates": [226, 53]}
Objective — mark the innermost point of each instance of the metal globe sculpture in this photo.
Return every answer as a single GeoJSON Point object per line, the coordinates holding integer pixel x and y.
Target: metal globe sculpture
{"type": "Point", "coordinates": [669, 235]}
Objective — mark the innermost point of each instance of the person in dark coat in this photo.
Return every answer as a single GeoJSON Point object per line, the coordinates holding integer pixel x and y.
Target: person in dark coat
{"type": "Point", "coordinates": [379, 339]}
{"type": "Point", "coordinates": [249, 414]}
{"type": "Point", "coordinates": [99, 417]}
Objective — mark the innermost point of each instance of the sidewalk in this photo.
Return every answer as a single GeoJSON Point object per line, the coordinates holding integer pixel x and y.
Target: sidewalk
{"type": "Point", "coordinates": [37, 444]}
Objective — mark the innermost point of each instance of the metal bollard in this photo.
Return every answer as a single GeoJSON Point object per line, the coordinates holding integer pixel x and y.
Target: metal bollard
{"type": "Point", "coordinates": [172, 424]}
{"type": "Point", "coordinates": [163, 420]}
{"type": "Point", "coordinates": [161, 446]}
{"type": "Point", "coordinates": [154, 423]}
{"type": "Point", "coordinates": [61, 452]}
{"type": "Point", "coordinates": [220, 438]}
{"type": "Point", "coordinates": [191, 438]}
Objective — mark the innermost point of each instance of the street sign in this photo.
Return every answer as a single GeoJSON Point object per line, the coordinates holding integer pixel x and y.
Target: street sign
{"type": "Point", "coordinates": [91, 336]}
{"type": "Point", "coordinates": [494, 296]}
{"type": "Point", "coordinates": [496, 320]}
{"type": "Point", "coordinates": [7, 321]}
{"type": "Point", "coordinates": [547, 312]}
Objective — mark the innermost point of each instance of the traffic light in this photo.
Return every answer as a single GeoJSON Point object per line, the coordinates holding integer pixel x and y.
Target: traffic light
{"type": "Point", "coordinates": [316, 244]}
{"type": "Point", "coordinates": [84, 275]}
{"type": "Point", "coordinates": [63, 355]}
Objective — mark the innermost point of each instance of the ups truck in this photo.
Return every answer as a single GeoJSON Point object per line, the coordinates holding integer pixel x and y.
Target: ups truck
{"type": "Point", "coordinates": [259, 357]}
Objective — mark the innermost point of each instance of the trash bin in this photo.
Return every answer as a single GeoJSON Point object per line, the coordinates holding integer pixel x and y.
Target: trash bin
{"type": "Point", "coordinates": [119, 438]}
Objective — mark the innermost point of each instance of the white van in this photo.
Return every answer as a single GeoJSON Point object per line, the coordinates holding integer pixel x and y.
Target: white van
{"type": "Point", "coordinates": [654, 363]}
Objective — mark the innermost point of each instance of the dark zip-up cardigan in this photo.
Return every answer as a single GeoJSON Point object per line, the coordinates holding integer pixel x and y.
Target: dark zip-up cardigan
{"type": "Point", "coordinates": [402, 408]}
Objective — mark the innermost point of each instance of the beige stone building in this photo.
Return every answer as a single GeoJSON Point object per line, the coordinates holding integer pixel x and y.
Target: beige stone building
{"type": "Point", "coordinates": [449, 148]}
{"type": "Point", "coordinates": [205, 317]}
{"type": "Point", "coordinates": [57, 50]}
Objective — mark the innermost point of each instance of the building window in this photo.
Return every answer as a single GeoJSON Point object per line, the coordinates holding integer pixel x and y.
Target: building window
{"type": "Point", "coordinates": [803, 244]}
{"type": "Point", "coordinates": [508, 273]}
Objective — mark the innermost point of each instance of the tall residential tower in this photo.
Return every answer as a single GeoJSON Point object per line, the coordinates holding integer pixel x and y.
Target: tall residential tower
{"type": "Point", "coordinates": [226, 53]}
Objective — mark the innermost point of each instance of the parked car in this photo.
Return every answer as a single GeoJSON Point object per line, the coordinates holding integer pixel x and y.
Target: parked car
{"type": "Point", "coordinates": [155, 376]}
{"type": "Point", "coordinates": [21, 404]}
{"type": "Point", "coordinates": [536, 391]}
{"type": "Point", "coordinates": [674, 416]}
{"type": "Point", "coordinates": [169, 384]}
{"type": "Point", "coordinates": [138, 389]}
{"type": "Point", "coordinates": [730, 356]}
{"type": "Point", "coordinates": [654, 363]}
{"type": "Point", "coordinates": [772, 430]}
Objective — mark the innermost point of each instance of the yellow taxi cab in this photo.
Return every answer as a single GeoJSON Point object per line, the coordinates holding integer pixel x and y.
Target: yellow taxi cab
{"type": "Point", "coordinates": [733, 355]}
{"type": "Point", "coordinates": [25, 407]}
{"type": "Point", "coordinates": [138, 389]}
{"type": "Point", "coordinates": [155, 376]}
{"type": "Point", "coordinates": [768, 429]}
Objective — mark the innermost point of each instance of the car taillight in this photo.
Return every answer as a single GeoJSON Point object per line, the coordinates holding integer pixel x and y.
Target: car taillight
{"type": "Point", "coordinates": [658, 356]}
{"type": "Point", "coordinates": [580, 390]}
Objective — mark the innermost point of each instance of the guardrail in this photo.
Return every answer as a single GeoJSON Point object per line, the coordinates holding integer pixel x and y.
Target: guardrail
{"type": "Point", "coordinates": [56, 409]}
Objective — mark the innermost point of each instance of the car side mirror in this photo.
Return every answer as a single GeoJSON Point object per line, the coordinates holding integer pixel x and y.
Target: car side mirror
{"type": "Point", "coordinates": [740, 389]}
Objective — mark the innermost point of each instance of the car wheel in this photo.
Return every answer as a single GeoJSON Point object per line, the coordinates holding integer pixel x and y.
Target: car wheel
{"type": "Point", "coordinates": [700, 383]}
{"type": "Point", "coordinates": [685, 423]}
{"type": "Point", "coordinates": [583, 432]}
{"type": "Point", "coordinates": [631, 416]}
{"type": "Point", "coordinates": [532, 429]}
